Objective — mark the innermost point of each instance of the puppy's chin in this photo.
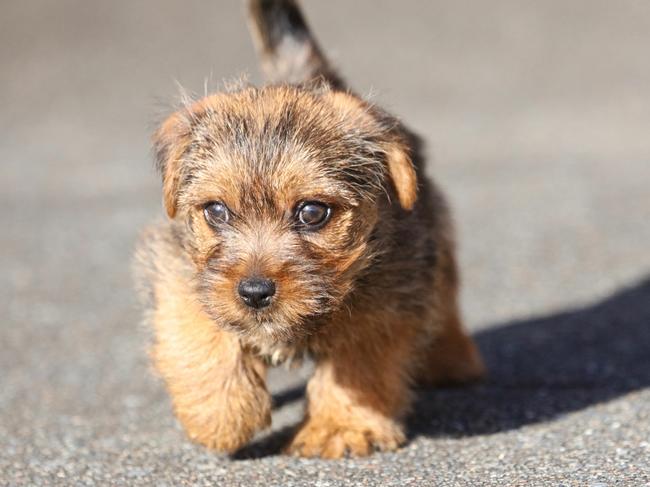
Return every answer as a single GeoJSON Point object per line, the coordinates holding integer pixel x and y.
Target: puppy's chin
{"type": "Point", "coordinates": [276, 343]}
{"type": "Point", "coordinates": [267, 330]}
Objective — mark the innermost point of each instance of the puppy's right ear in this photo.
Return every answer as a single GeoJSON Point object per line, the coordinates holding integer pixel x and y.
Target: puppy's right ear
{"type": "Point", "coordinates": [402, 173]}
{"type": "Point", "coordinates": [170, 142]}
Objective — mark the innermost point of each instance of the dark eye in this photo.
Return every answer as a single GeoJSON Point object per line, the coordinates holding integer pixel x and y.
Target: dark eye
{"type": "Point", "coordinates": [216, 213]}
{"type": "Point", "coordinates": [313, 214]}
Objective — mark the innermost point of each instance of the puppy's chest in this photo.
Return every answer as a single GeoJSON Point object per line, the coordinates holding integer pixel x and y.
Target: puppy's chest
{"type": "Point", "coordinates": [275, 354]}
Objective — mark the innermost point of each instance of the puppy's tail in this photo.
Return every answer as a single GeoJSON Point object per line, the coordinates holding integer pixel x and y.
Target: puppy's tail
{"type": "Point", "coordinates": [288, 51]}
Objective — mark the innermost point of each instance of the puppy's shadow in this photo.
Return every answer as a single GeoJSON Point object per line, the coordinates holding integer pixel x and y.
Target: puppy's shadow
{"type": "Point", "coordinates": [273, 442]}
{"type": "Point", "coordinates": [539, 368]}
{"type": "Point", "coordinates": [543, 367]}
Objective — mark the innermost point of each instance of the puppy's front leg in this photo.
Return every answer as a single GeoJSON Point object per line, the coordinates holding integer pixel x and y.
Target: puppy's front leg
{"type": "Point", "coordinates": [218, 390]}
{"type": "Point", "coordinates": [356, 400]}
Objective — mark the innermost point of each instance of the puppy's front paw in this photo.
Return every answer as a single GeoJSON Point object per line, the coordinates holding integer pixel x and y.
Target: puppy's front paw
{"type": "Point", "coordinates": [229, 429]}
{"type": "Point", "coordinates": [226, 417]}
{"type": "Point", "coordinates": [328, 439]}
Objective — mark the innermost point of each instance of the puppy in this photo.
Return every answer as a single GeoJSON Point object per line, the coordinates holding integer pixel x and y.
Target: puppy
{"type": "Point", "coordinates": [300, 221]}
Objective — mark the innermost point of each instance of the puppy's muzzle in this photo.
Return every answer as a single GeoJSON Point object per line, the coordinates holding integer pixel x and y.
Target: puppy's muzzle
{"type": "Point", "coordinates": [256, 292]}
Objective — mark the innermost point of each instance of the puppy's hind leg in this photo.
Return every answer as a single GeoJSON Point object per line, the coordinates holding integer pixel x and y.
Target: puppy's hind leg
{"type": "Point", "coordinates": [453, 358]}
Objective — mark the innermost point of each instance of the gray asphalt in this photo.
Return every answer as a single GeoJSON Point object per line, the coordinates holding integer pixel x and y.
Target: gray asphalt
{"type": "Point", "coordinates": [538, 120]}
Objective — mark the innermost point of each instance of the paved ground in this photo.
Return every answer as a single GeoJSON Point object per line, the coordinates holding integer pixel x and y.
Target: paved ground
{"type": "Point", "coordinates": [538, 114]}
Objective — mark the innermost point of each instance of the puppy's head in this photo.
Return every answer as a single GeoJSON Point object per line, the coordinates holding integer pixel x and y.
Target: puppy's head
{"type": "Point", "coordinates": [280, 190]}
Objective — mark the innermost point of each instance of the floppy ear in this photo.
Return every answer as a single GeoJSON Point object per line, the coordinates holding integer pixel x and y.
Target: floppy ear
{"type": "Point", "coordinates": [402, 174]}
{"type": "Point", "coordinates": [170, 142]}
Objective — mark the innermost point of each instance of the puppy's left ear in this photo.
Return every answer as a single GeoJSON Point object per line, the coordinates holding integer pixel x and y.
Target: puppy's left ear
{"type": "Point", "coordinates": [402, 174]}
{"type": "Point", "coordinates": [170, 143]}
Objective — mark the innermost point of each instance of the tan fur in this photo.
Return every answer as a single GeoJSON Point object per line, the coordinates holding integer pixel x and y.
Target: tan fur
{"type": "Point", "coordinates": [218, 391]}
{"type": "Point", "coordinates": [371, 295]}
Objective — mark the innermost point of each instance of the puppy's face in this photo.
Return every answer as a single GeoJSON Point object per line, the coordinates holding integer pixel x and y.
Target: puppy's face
{"type": "Point", "coordinates": [279, 189]}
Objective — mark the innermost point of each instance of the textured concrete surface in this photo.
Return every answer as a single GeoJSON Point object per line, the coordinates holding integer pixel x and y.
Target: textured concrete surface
{"type": "Point", "coordinates": [538, 117]}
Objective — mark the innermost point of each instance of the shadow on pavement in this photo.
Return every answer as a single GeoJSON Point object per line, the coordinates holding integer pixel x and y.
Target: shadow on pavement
{"type": "Point", "coordinates": [543, 367]}
{"type": "Point", "coordinates": [539, 368]}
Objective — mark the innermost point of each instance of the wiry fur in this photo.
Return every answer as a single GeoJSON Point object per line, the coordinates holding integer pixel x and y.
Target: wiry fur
{"type": "Point", "coordinates": [372, 296]}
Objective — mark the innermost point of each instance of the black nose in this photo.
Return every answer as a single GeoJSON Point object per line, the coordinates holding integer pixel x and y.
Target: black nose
{"type": "Point", "coordinates": [256, 292]}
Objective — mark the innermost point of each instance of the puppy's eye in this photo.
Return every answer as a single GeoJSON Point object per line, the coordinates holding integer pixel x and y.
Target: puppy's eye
{"type": "Point", "coordinates": [313, 214]}
{"type": "Point", "coordinates": [216, 213]}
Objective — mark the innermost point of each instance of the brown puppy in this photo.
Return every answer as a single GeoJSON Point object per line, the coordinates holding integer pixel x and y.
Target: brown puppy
{"type": "Point", "coordinates": [300, 221]}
